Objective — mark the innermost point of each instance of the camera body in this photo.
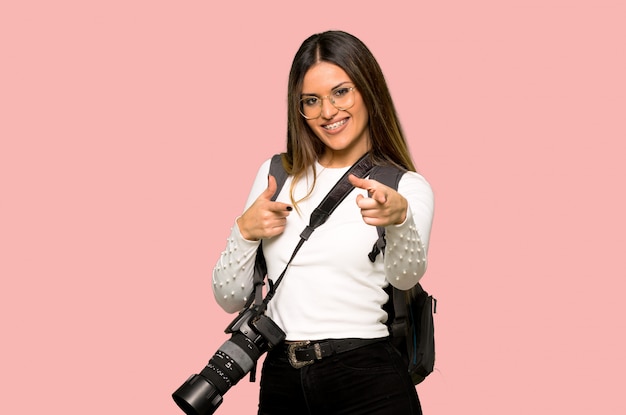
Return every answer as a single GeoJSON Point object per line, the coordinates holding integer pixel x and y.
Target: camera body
{"type": "Point", "coordinates": [253, 333]}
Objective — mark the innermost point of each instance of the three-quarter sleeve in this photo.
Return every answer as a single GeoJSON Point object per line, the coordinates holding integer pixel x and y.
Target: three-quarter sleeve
{"type": "Point", "coordinates": [232, 274]}
{"type": "Point", "coordinates": [406, 251]}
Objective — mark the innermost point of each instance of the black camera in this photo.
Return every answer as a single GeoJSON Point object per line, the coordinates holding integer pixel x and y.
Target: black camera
{"type": "Point", "coordinates": [253, 334]}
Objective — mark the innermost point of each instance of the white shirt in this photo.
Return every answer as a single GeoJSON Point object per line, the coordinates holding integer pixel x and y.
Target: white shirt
{"type": "Point", "coordinates": [331, 288]}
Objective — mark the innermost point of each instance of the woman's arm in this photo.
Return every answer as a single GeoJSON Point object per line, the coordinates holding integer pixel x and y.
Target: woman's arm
{"type": "Point", "coordinates": [232, 274]}
{"type": "Point", "coordinates": [262, 218]}
{"type": "Point", "coordinates": [407, 243]}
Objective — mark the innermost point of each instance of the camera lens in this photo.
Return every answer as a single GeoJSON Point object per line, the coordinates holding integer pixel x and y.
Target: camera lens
{"type": "Point", "coordinates": [197, 396]}
{"type": "Point", "coordinates": [252, 335]}
{"type": "Point", "coordinates": [231, 362]}
{"type": "Point", "coordinates": [202, 394]}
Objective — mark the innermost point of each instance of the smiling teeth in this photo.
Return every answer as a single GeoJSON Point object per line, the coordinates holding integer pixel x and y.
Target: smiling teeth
{"type": "Point", "coordinates": [335, 125]}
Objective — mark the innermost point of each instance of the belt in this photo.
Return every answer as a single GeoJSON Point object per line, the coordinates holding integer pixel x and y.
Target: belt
{"type": "Point", "coordinates": [306, 352]}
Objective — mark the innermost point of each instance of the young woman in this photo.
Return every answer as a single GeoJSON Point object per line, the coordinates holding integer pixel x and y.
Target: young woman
{"type": "Point", "coordinates": [332, 296]}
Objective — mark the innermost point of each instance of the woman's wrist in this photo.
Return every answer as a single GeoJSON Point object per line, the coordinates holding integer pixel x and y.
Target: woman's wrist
{"type": "Point", "coordinates": [244, 234]}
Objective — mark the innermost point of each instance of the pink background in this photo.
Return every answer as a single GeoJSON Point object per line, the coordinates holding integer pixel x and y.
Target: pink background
{"type": "Point", "coordinates": [131, 132]}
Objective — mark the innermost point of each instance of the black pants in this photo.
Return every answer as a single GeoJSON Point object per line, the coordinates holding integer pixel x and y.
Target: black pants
{"type": "Point", "coordinates": [371, 380]}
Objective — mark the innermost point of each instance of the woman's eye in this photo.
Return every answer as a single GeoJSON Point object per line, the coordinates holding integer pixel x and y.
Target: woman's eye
{"type": "Point", "coordinates": [310, 102]}
{"type": "Point", "coordinates": [341, 92]}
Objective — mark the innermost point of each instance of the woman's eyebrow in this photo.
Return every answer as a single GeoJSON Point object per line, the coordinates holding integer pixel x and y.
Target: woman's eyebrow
{"type": "Point", "coordinates": [332, 89]}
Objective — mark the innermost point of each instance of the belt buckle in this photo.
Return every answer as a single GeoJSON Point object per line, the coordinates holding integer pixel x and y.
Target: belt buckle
{"type": "Point", "coordinates": [291, 354]}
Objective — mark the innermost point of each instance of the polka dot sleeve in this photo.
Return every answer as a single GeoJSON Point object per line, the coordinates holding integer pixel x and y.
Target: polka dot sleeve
{"type": "Point", "coordinates": [232, 275]}
{"type": "Point", "coordinates": [407, 244]}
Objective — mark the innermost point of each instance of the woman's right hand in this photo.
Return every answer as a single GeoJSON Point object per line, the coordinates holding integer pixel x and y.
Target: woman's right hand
{"type": "Point", "coordinates": [264, 218]}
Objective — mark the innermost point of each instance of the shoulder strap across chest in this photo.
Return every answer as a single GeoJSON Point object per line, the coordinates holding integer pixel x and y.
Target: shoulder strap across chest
{"type": "Point", "coordinates": [388, 175]}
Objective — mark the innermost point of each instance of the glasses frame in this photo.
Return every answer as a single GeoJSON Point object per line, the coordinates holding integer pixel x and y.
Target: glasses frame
{"type": "Point", "coordinates": [330, 99]}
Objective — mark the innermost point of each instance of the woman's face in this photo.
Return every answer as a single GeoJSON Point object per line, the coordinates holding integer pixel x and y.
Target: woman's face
{"type": "Point", "coordinates": [345, 133]}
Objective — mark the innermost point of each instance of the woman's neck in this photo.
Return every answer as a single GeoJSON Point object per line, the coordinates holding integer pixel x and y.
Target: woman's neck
{"type": "Point", "coordinates": [338, 159]}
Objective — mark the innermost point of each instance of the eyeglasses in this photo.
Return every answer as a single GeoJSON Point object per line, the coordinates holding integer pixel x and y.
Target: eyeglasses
{"type": "Point", "coordinates": [342, 98]}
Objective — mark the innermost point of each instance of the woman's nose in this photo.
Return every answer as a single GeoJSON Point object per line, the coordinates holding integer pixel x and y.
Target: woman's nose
{"type": "Point", "coordinates": [328, 109]}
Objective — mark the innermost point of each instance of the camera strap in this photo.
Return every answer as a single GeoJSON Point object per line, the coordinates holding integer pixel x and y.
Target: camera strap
{"type": "Point", "coordinates": [319, 216]}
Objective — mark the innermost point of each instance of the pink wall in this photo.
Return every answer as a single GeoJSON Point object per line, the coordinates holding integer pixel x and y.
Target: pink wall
{"type": "Point", "coordinates": [120, 122]}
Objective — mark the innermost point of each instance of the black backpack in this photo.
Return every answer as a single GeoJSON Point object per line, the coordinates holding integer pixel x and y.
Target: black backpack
{"type": "Point", "coordinates": [410, 312]}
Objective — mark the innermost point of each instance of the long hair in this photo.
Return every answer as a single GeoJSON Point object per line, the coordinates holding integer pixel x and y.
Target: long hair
{"type": "Point", "coordinates": [388, 144]}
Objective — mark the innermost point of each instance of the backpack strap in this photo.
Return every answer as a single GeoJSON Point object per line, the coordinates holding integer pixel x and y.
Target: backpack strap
{"type": "Point", "coordinates": [390, 176]}
{"type": "Point", "coordinates": [278, 171]}
{"type": "Point", "coordinates": [260, 267]}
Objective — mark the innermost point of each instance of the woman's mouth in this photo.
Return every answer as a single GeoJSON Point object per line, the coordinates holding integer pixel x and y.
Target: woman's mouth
{"type": "Point", "coordinates": [335, 125]}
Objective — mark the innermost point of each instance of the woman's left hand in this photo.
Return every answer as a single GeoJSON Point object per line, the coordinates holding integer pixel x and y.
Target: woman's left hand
{"type": "Point", "coordinates": [383, 207]}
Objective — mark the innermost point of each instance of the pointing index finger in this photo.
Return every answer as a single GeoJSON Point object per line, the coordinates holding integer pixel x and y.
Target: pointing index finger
{"type": "Point", "coordinates": [359, 182]}
{"type": "Point", "coordinates": [372, 186]}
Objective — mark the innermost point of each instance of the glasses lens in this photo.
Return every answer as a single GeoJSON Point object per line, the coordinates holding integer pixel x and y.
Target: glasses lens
{"type": "Point", "coordinates": [343, 98]}
{"type": "Point", "coordinates": [310, 107]}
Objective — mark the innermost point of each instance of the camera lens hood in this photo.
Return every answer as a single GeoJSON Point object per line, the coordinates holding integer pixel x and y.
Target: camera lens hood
{"type": "Point", "coordinates": [197, 396]}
